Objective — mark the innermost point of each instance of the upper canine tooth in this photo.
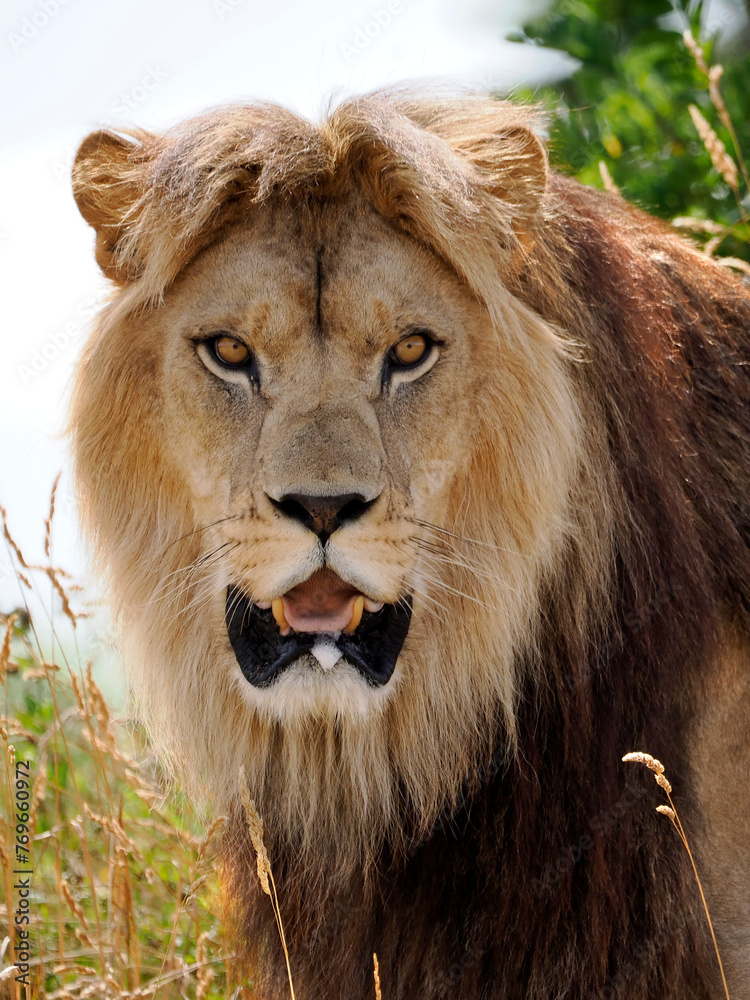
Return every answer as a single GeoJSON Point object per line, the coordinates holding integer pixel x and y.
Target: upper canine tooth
{"type": "Point", "coordinates": [277, 607]}
{"type": "Point", "coordinates": [372, 606]}
{"type": "Point", "coordinates": [263, 605]}
{"type": "Point", "coordinates": [356, 613]}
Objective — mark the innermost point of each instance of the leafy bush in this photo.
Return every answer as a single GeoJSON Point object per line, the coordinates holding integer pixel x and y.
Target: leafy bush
{"type": "Point", "coordinates": [628, 106]}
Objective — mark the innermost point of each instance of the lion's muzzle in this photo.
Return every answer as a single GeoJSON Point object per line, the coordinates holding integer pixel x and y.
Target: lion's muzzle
{"type": "Point", "coordinates": [323, 617]}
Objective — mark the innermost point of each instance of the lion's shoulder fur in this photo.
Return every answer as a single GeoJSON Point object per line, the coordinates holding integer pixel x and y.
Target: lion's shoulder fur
{"type": "Point", "coordinates": [551, 875]}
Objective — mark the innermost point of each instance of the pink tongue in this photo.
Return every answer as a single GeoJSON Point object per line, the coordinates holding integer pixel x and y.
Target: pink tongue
{"type": "Point", "coordinates": [324, 603]}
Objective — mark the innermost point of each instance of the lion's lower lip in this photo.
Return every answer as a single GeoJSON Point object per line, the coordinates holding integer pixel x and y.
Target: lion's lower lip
{"type": "Point", "coordinates": [263, 653]}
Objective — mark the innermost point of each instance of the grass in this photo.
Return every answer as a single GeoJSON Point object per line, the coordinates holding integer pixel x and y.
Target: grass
{"type": "Point", "coordinates": [125, 896]}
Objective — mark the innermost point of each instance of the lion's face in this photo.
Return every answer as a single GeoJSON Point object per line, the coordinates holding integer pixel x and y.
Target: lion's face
{"type": "Point", "coordinates": [327, 459]}
{"type": "Point", "coordinates": [321, 376]}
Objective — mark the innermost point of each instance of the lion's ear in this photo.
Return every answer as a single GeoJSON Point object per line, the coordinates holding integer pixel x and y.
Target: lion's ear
{"type": "Point", "coordinates": [512, 164]}
{"type": "Point", "coordinates": [522, 181]}
{"type": "Point", "coordinates": [108, 173]}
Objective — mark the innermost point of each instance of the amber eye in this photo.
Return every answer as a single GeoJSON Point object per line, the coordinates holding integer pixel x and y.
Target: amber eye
{"type": "Point", "coordinates": [230, 351]}
{"type": "Point", "coordinates": [410, 350]}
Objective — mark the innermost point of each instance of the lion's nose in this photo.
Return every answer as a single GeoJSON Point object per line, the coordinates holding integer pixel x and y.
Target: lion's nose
{"type": "Point", "coordinates": [323, 514]}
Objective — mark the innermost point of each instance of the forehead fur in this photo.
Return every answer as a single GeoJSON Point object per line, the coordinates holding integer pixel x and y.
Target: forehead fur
{"type": "Point", "coordinates": [450, 173]}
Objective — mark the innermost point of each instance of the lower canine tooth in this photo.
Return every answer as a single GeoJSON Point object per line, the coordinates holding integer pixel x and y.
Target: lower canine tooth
{"type": "Point", "coordinates": [356, 614]}
{"type": "Point", "coordinates": [277, 607]}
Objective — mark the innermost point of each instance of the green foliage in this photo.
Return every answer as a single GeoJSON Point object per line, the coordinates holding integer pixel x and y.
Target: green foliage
{"type": "Point", "coordinates": [627, 105]}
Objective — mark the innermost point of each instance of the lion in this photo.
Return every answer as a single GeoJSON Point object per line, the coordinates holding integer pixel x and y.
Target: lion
{"type": "Point", "coordinates": [419, 473]}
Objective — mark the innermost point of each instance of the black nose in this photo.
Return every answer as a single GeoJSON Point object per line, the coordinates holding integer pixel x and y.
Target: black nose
{"type": "Point", "coordinates": [323, 515]}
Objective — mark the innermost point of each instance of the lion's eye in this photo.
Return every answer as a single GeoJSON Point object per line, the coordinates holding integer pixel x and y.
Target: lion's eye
{"type": "Point", "coordinates": [230, 351]}
{"type": "Point", "coordinates": [409, 351]}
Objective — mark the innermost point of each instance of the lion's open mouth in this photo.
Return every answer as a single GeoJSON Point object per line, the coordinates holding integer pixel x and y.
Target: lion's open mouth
{"type": "Point", "coordinates": [324, 617]}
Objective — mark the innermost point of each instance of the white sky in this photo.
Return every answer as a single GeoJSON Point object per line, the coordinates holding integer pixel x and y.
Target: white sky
{"type": "Point", "coordinates": [68, 67]}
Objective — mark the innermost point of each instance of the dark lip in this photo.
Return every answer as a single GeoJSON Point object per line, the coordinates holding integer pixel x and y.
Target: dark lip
{"type": "Point", "coordinates": [263, 653]}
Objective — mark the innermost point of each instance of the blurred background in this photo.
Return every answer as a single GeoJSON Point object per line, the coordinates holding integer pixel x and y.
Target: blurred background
{"type": "Point", "coordinates": [615, 75]}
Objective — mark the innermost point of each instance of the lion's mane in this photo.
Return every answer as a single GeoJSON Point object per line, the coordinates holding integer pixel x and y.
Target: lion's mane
{"type": "Point", "coordinates": [487, 841]}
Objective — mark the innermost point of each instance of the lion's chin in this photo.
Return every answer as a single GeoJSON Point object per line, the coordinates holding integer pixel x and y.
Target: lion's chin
{"type": "Point", "coordinates": [264, 652]}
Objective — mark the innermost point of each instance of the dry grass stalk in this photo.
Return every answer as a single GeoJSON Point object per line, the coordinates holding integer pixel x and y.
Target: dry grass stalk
{"type": "Point", "coordinates": [54, 575]}
{"type": "Point", "coordinates": [105, 748]}
{"type": "Point", "coordinates": [714, 74]}
{"type": "Point", "coordinates": [720, 158]}
{"type": "Point", "coordinates": [83, 937]}
{"type": "Point", "coordinates": [5, 651]}
{"type": "Point", "coordinates": [73, 904]}
{"type": "Point", "coordinates": [10, 540]}
{"type": "Point", "coordinates": [82, 706]}
{"type": "Point", "coordinates": [671, 813]}
{"type": "Point", "coordinates": [50, 516]}
{"type": "Point", "coordinates": [606, 176]}
{"type": "Point", "coordinates": [100, 706]}
{"type": "Point", "coordinates": [695, 50]}
{"type": "Point", "coordinates": [209, 838]}
{"type": "Point", "coordinates": [265, 875]}
{"type": "Point", "coordinates": [113, 827]}
{"type": "Point", "coordinates": [255, 826]}
{"type": "Point", "coordinates": [700, 225]}
{"type": "Point", "coordinates": [735, 262]}
{"type": "Point", "coordinates": [205, 973]}
{"type": "Point", "coordinates": [376, 976]}
{"type": "Point", "coordinates": [714, 90]}
{"type": "Point", "coordinates": [81, 970]}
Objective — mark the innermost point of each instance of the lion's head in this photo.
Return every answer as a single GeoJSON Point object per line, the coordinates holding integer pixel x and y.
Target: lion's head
{"type": "Point", "coordinates": [328, 460]}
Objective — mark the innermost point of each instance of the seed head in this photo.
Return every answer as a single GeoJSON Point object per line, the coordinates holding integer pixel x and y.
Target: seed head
{"type": "Point", "coordinates": [662, 782]}
{"type": "Point", "coordinates": [255, 826]}
{"type": "Point", "coordinates": [645, 758]}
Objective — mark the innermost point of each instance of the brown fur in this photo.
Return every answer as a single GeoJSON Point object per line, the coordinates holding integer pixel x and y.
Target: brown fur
{"type": "Point", "coordinates": [581, 450]}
